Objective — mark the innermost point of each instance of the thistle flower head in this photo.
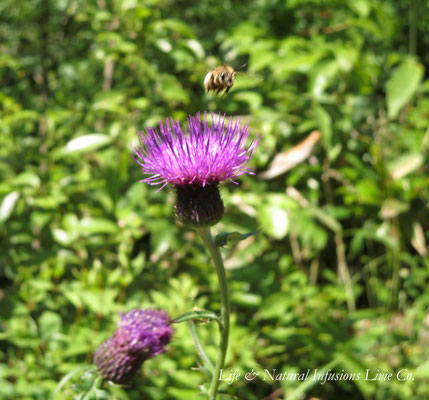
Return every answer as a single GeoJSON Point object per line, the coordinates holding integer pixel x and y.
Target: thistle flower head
{"type": "Point", "coordinates": [141, 334]}
{"type": "Point", "coordinates": [200, 154]}
{"type": "Point", "coordinates": [194, 160]}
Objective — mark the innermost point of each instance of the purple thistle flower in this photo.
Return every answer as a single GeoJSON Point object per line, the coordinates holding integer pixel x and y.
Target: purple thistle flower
{"type": "Point", "coordinates": [194, 160]}
{"type": "Point", "coordinates": [141, 334]}
{"type": "Point", "coordinates": [199, 155]}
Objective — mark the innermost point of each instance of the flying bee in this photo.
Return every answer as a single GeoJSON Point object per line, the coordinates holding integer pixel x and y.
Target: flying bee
{"type": "Point", "coordinates": [220, 78]}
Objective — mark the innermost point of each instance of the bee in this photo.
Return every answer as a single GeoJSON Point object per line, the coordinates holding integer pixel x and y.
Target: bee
{"type": "Point", "coordinates": [220, 78]}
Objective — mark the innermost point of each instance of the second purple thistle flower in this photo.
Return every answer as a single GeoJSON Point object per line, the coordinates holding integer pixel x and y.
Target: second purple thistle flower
{"type": "Point", "coordinates": [194, 160]}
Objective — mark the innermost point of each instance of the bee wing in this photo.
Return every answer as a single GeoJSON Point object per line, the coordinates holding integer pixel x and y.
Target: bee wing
{"type": "Point", "coordinates": [258, 77]}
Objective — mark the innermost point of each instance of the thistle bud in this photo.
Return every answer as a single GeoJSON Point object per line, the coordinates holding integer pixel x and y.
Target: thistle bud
{"type": "Point", "coordinates": [141, 334]}
{"type": "Point", "coordinates": [199, 205]}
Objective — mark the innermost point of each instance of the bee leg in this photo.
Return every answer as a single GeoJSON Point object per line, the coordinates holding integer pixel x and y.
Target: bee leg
{"type": "Point", "coordinates": [227, 89]}
{"type": "Point", "coordinates": [218, 91]}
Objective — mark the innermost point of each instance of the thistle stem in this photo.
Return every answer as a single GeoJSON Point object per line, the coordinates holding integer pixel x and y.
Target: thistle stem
{"type": "Point", "coordinates": [225, 308]}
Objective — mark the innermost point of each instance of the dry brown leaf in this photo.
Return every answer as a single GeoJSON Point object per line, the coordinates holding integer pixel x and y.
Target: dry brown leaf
{"type": "Point", "coordinates": [285, 161]}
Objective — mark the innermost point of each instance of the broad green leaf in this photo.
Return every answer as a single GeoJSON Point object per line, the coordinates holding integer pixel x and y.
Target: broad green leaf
{"type": "Point", "coordinates": [8, 205]}
{"type": "Point", "coordinates": [112, 101]}
{"type": "Point", "coordinates": [49, 324]}
{"type": "Point", "coordinates": [275, 305]}
{"type": "Point", "coordinates": [95, 226]}
{"type": "Point", "coordinates": [254, 100]}
{"type": "Point", "coordinates": [87, 143]}
{"type": "Point", "coordinates": [99, 301]}
{"type": "Point", "coordinates": [196, 47]}
{"type": "Point", "coordinates": [422, 371]}
{"type": "Point", "coordinates": [61, 236]}
{"type": "Point", "coordinates": [274, 220]}
{"type": "Point", "coordinates": [402, 86]}
{"type": "Point", "coordinates": [246, 299]}
{"type": "Point", "coordinates": [183, 394]}
{"type": "Point", "coordinates": [368, 192]}
{"type": "Point", "coordinates": [164, 45]}
{"type": "Point", "coordinates": [392, 208]}
{"type": "Point", "coordinates": [321, 77]}
{"type": "Point", "coordinates": [405, 164]}
{"type": "Point", "coordinates": [27, 178]}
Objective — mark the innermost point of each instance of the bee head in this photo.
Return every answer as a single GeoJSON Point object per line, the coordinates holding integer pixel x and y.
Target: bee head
{"type": "Point", "coordinates": [227, 77]}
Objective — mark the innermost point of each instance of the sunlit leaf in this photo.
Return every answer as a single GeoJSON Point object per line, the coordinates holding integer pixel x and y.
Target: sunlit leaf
{"type": "Point", "coordinates": [275, 220]}
{"type": "Point", "coordinates": [402, 86]}
{"type": "Point", "coordinates": [405, 164]}
{"type": "Point", "coordinates": [94, 226]}
{"type": "Point", "coordinates": [8, 205]}
{"type": "Point", "coordinates": [87, 143]}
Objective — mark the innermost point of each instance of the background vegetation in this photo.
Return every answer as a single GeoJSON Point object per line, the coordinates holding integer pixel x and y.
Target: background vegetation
{"type": "Point", "coordinates": [338, 276]}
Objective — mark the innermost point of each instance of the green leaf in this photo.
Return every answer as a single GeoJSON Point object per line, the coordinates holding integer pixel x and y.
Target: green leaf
{"type": "Point", "coordinates": [355, 365]}
{"type": "Point", "coordinates": [326, 219]}
{"type": "Point", "coordinates": [61, 236]}
{"type": "Point", "coordinates": [405, 164]}
{"type": "Point", "coordinates": [422, 371]}
{"type": "Point", "coordinates": [254, 100]}
{"type": "Point", "coordinates": [87, 143]}
{"type": "Point", "coordinates": [99, 301]}
{"type": "Point", "coordinates": [274, 305]}
{"type": "Point", "coordinates": [402, 86]}
{"type": "Point", "coordinates": [391, 208]}
{"type": "Point", "coordinates": [93, 226]}
{"type": "Point", "coordinates": [321, 77]}
{"type": "Point", "coordinates": [275, 220]}
{"type": "Point", "coordinates": [246, 299]}
{"type": "Point", "coordinates": [49, 324]}
{"type": "Point", "coordinates": [67, 377]}
{"type": "Point", "coordinates": [27, 178]}
{"type": "Point", "coordinates": [196, 47]}
{"type": "Point", "coordinates": [89, 388]}
{"type": "Point", "coordinates": [196, 315]}
{"type": "Point", "coordinates": [232, 238]}
{"type": "Point", "coordinates": [182, 394]}
{"type": "Point", "coordinates": [8, 205]}
{"type": "Point", "coordinates": [324, 123]}
{"type": "Point", "coordinates": [110, 102]}
{"type": "Point", "coordinates": [207, 366]}
{"type": "Point", "coordinates": [310, 383]}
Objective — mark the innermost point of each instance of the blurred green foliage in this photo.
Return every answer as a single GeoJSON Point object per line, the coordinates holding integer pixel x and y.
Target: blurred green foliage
{"type": "Point", "coordinates": [338, 276]}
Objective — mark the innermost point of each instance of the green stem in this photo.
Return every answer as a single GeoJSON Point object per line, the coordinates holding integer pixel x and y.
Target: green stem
{"type": "Point", "coordinates": [225, 308]}
{"type": "Point", "coordinates": [413, 27]}
{"type": "Point", "coordinates": [207, 365]}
